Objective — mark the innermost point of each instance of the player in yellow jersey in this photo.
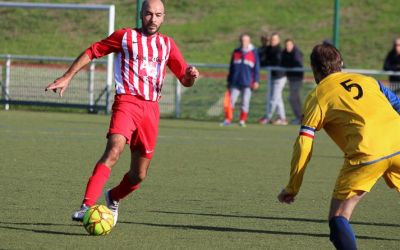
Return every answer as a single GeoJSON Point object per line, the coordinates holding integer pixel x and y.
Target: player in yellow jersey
{"type": "Point", "coordinates": [361, 116]}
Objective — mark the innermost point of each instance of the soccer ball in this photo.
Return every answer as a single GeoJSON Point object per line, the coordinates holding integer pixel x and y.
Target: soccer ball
{"type": "Point", "coordinates": [98, 220]}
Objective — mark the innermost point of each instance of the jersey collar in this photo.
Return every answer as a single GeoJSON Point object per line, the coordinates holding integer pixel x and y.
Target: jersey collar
{"type": "Point", "coordinates": [326, 79]}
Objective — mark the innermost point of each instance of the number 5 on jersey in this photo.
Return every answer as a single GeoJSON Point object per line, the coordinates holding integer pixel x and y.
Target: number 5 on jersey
{"type": "Point", "coordinates": [348, 87]}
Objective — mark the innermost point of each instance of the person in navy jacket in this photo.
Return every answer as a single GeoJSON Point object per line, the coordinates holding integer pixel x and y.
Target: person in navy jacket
{"type": "Point", "coordinates": [243, 77]}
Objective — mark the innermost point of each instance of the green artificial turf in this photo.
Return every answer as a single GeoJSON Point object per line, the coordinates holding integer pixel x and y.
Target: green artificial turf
{"type": "Point", "coordinates": [208, 188]}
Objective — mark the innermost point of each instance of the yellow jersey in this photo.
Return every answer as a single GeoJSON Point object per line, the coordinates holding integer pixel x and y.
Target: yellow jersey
{"type": "Point", "coordinates": [356, 113]}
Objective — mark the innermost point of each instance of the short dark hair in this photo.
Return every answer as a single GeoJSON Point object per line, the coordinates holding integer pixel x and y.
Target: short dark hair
{"type": "Point", "coordinates": [264, 36]}
{"type": "Point", "coordinates": [326, 59]}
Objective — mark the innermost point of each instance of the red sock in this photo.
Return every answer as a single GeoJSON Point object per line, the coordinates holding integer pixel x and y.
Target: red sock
{"type": "Point", "coordinates": [124, 188]}
{"type": "Point", "coordinates": [243, 116]}
{"type": "Point", "coordinates": [96, 183]}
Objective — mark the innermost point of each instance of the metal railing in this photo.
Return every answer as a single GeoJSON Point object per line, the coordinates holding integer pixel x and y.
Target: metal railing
{"type": "Point", "coordinates": [24, 78]}
{"type": "Point", "coordinates": [217, 112]}
{"type": "Point", "coordinates": [91, 7]}
{"type": "Point", "coordinates": [7, 83]}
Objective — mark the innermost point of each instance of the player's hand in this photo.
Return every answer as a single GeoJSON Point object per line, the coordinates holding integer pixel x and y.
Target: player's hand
{"type": "Point", "coordinates": [286, 197]}
{"type": "Point", "coordinates": [192, 73]}
{"type": "Point", "coordinates": [60, 83]}
{"type": "Point", "coordinates": [255, 86]}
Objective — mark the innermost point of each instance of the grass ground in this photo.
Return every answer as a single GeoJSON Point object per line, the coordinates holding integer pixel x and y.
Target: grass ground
{"type": "Point", "coordinates": [208, 188]}
{"type": "Point", "coordinates": [207, 30]}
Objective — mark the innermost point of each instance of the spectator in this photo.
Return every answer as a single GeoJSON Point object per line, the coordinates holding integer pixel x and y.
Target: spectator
{"type": "Point", "coordinates": [263, 50]}
{"type": "Point", "coordinates": [243, 77]}
{"type": "Point", "coordinates": [392, 63]}
{"type": "Point", "coordinates": [292, 57]}
{"type": "Point", "coordinates": [274, 97]}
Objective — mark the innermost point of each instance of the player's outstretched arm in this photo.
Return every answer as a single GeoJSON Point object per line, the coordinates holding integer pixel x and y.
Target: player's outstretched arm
{"type": "Point", "coordinates": [191, 74]}
{"type": "Point", "coordinates": [391, 96]}
{"type": "Point", "coordinates": [302, 152]}
{"type": "Point", "coordinates": [62, 82]}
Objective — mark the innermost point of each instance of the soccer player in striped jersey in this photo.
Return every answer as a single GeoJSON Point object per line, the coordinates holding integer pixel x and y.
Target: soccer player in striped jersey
{"type": "Point", "coordinates": [142, 56]}
{"type": "Point", "coordinates": [362, 117]}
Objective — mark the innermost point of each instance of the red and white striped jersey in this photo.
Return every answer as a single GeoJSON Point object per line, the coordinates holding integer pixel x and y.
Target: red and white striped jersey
{"type": "Point", "coordinates": [140, 63]}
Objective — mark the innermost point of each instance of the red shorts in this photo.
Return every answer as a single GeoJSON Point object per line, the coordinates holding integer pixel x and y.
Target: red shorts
{"type": "Point", "coordinates": [137, 120]}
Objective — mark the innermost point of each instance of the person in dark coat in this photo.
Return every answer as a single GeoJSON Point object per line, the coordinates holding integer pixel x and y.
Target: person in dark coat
{"type": "Point", "coordinates": [292, 57]}
{"type": "Point", "coordinates": [263, 50]}
{"type": "Point", "coordinates": [274, 97]}
{"type": "Point", "coordinates": [392, 63]}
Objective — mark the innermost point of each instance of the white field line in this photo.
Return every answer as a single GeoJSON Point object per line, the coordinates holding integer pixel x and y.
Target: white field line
{"type": "Point", "coordinates": [216, 109]}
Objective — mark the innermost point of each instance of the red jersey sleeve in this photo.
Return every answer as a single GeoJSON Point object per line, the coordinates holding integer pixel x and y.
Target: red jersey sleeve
{"type": "Point", "coordinates": [176, 63]}
{"type": "Point", "coordinates": [111, 44]}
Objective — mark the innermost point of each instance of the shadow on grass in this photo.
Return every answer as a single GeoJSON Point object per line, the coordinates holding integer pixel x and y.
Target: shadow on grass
{"type": "Point", "coordinates": [276, 218]}
{"type": "Point", "coordinates": [224, 229]}
{"type": "Point", "coordinates": [244, 230]}
{"type": "Point", "coordinates": [14, 226]}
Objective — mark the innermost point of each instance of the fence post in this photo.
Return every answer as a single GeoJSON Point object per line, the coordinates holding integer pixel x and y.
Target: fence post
{"type": "Point", "coordinates": [91, 86]}
{"type": "Point", "coordinates": [6, 86]}
{"type": "Point", "coordinates": [2, 81]}
{"type": "Point", "coordinates": [109, 85]}
{"type": "Point", "coordinates": [178, 95]}
{"type": "Point", "coordinates": [110, 59]}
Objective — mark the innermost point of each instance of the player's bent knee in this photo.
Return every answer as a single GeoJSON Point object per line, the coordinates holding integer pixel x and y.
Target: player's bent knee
{"type": "Point", "coordinates": [141, 176]}
{"type": "Point", "coordinates": [137, 178]}
{"type": "Point", "coordinates": [345, 207]}
{"type": "Point", "coordinates": [112, 156]}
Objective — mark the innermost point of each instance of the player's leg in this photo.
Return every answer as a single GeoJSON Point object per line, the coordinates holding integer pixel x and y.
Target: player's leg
{"type": "Point", "coordinates": [129, 183]}
{"type": "Point", "coordinates": [115, 147]}
{"type": "Point", "coordinates": [353, 183]}
{"type": "Point", "coordinates": [101, 172]}
{"type": "Point", "coordinates": [142, 146]}
{"type": "Point", "coordinates": [341, 233]}
{"type": "Point", "coordinates": [120, 131]}
{"type": "Point", "coordinates": [246, 97]}
{"type": "Point", "coordinates": [132, 179]}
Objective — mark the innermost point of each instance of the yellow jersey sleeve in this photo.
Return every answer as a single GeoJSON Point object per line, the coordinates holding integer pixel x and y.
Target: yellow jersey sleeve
{"type": "Point", "coordinates": [313, 115]}
{"type": "Point", "coordinates": [302, 149]}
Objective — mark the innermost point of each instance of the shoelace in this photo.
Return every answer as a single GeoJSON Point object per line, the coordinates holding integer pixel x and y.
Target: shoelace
{"type": "Point", "coordinates": [114, 205]}
{"type": "Point", "coordinates": [84, 209]}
